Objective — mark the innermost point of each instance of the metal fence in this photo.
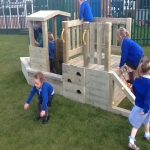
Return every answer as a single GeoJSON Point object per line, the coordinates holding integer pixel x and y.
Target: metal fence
{"type": "Point", "coordinates": [13, 14]}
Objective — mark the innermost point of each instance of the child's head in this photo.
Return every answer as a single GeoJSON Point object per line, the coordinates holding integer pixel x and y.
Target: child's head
{"type": "Point", "coordinates": [50, 36]}
{"type": "Point", "coordinates": [37, 24]}
{"type": "Point", "coordinates": [122, 33]}
{"type": "Point", "coordinates": [38, 79]}
{"type": "Point", "coordinates": [81, 1]}
{"type": "Point", "coordinates": [144, 67]}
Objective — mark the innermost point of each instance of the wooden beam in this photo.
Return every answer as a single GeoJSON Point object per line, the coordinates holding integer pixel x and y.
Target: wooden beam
{"type": "Point", "coordinates": [73, 23]}
{"type": "Point", "coordinates": [128, 25]}
{"type": "Point", "coordinates": [54, 27]}
{"type": "Point", "coordinates": [107, 46]}
{"type": "Point", "coordinates": [115, 28]}
{"type": "Point", "coordinates": [31, 33]}
{"type": "Point", "coordinates": [75, 51]}
{"type": "Point", "coordinates": [45, 43]}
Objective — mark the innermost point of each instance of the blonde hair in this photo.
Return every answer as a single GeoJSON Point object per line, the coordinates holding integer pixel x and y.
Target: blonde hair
{"type": "Point", "coordinates": [144, 66]}
{"type": "Point", "coordinates": [123, 32]}
{"type": "Point", "coordinates": [39, 75]}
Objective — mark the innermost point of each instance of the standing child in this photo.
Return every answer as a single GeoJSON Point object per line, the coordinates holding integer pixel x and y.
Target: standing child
{"type": "Point", "coordinates": [85, 11]}
{"type": "Point", "coordinates": [45, 93]}
{"type": "Point", "coordinates": [51, 46]}
{"type": "Point", "coordinates": [140, 113]}
{"type": "Point", "coordinates": [131, 52]}
{"type": "Point", "coordinates": [37, 31]}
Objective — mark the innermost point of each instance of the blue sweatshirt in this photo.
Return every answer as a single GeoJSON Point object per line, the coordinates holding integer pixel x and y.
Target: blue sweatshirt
{"type": "Point", "coordinates": [51, 47]}
{"type": "Point", "coordinates": [141, 89]}
{"type": "Point", "coordinates": [85, 12]}
{"type": "Point", "coordinates": [36, 32]}
{"type": "Point", "coordinates": [131, 51]}
{"type": "Point", "coordinates": [43, 93]}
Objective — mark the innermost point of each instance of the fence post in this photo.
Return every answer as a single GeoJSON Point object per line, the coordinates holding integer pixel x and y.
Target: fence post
{"type": "Point", "coordinates": [107, 46]}
{"type": "Point", "coordinates": [86, 41]}
{"type": "Point", "coordinates": [66, 41]}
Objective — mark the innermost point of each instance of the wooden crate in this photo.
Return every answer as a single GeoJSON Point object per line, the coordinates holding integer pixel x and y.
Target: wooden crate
{"type": "Point", "coordinates": [74, 83]}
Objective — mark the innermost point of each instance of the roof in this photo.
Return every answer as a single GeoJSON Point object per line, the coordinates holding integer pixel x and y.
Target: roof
{"type": "Point", "coordinates": [44, 15]}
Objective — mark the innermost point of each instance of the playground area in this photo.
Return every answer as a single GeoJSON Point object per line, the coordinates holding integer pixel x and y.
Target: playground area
{"type": "Point", "coordinates": [73, 125]}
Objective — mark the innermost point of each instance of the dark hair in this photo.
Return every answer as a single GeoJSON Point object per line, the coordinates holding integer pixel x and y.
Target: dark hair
{"type": "Point", "coordinates": [39, 75]}
{"type": "Point", "coordinates": [37, 22]}
{"type": "Point", "coordinates": [144, 66]}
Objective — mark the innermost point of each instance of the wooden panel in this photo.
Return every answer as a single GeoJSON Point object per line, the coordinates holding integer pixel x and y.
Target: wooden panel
{"type": "Point", "coordinates": [73, 37]}
{"type": "Point", "coordinates": [75, 51]}
{"type": "Point", "coordinates": [31, 33]}
{"type": "Point", "coordinates": [107, 46]}
{"type": "Point", "coordinates": [73, 70]}
{"type": "Point", "coordinates": [92, 42]}
{"type": "Point", "coordinates": [99, 43]}
{"type": "Point", "coordinates": [74, 79]}
{"type": "Point", "coordinates": [115, 28]}
{"type": "Point", "coordinates": [37, 52]}
{"type": "Point", "coordinates": [73, 23]}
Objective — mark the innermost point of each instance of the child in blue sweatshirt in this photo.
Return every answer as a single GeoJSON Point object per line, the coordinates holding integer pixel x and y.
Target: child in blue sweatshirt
{"type": "Point", "coordinates": [131, 53]}
{"type": "Point", "coordinates": [140, 113]}
{"type": "Point", "coordinates": [51, 46]}
{"type": "Point", "coordinates": [45, 93]}
{"type": "Point", "coordinates": [85, 11]}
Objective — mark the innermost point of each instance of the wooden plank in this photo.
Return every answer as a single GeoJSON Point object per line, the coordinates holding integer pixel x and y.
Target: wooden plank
{"type": "Point", "coordinates": [81, 34]}
{"type": "Point", "coordinates": [86, 45]}
{"type": "Point", "coordinates": [99, 43]}
{"type": "Point", "coordinates": [73, 69]}
{"type": "Point", "coordinates": [74, 96]}
{"type": "Point", "coordinates": [73, 23]}
{"type": "Point", "coordinates": [78, 38]}
{"type": "Point", "coordinates": [112, 20]}
{"type": "Point", "coordinates": [92, 41]}
{"type": "Point", "coordinates": [44, 15]}
{"type": "Point", "coordinates": [31, 33]}
{"type": "Point", "coordinates": [74, 79]}
{"type": "Point", "coordinates": [75, 51]}
{"type": "Point", "coordinates": [121, 84]}
{"type": "Point", "coordinates": [73, 38]}
{"type": "Point", "coordinates": [128, 25]}
{"type": "Point", "coordinates": [45, 44]}
{"type": "Point", "coordinates": [118, 110]}
{"type": "Point", "coordinates": [107, 46]}
{"type": "Point", "coordinates": [115, 28]}
{"type": "Point", "coordinates": [66, 44]}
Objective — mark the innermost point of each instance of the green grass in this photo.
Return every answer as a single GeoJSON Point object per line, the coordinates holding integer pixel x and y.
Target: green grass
{"type": "Point", "coordinates": [73, 126]}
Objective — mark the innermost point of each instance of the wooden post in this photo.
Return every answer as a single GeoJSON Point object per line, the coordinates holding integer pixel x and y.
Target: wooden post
{"type": "Point", "coordinates": [128, 25]}
{"type": "Point", "coordinates": [54, 28]}
{"type": "Point", "coordinates": [99, 43]}
{"type": "Point", "coordinates": [107, 46]}
{"type": "Point", "coordinates": [115, 27]}
{"type": "Point", "coordinates": [111, 91]}
{"type": "Point", "coordinates": [66, 42]}
{"type": "Point", "coordinates": [86, 45]}
{"type": "Point", "coordinates": [67, 18]}
{"type": "Point", "coordinates": [45, 43]}
{"type": "Point", "coordinates": [31, 33]}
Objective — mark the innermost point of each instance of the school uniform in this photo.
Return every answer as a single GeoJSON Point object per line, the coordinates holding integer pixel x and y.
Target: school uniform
{"type": "Point", "coordinates": [85, 12]}
{"type": "Point", "coordinates": [141, 89]}
{"type": "Point", "coordinates": [131, 53]}
{"type": "Point", "coordinates": [45, 96]}
{"type": "Point", "coordinates": [51, 46]}
{"type": "Point", "coordinates": [37, 31]}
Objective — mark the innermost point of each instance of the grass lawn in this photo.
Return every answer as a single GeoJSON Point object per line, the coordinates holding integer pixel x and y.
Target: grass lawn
{"type": "Point", "coordinates": [73, 126]}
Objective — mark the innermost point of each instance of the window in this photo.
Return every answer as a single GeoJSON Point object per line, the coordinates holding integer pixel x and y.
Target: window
{"type": "Point", "coordinates": [21, 11]}
{"type": "Point", "coordinates": [13, 11]}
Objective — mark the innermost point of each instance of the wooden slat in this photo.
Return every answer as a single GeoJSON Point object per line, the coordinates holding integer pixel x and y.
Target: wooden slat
{"type": "Point", "coordinates": [115, 28]}
{"type": "Point", "coordinates": [73, 23]}
{"type": "Point", "coordinates": [75, 51]}
{"type": "Point", "coordinates": [45, 44]}
{"type": "Point", "coordinates": [99, 43]}
{"type": "Point", "coordinates": [81, 34]}
{"type": "Point", "coordinates": [107, 46]}
{"type": "Point", "coordinates": [77, 34]}
{"type": "Point", "coordinates": [31, 33]}
{"type": "Point", "coordinates": [73, 38]}
{"type": "Point", "coordinates": [92, 41]}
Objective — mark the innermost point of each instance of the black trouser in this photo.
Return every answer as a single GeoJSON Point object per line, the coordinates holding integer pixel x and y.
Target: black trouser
{"type": "Point", "coordinates": [39, 103]}
{"type": "Point", "coordinates": [52, 66]}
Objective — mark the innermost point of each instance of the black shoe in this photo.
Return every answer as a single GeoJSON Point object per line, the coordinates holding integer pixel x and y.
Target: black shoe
{"type": "Point", "coordinates": [37, 117]}
{"type": "Point", "coordinates": [45, 120]}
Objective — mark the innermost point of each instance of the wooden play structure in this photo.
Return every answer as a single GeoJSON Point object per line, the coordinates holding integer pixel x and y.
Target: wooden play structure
{"type": "Point", "coordinates": [89, 64]}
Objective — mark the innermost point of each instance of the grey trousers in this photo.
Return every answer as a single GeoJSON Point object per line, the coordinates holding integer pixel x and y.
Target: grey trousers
{"type": "Point", "coordinates": [38, 107]}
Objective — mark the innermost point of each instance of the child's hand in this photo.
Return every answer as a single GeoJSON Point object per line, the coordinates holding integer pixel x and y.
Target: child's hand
{"type": "Point", "coordinates": [26, 106]}
{"type": "Point", "coordinates": [42, 113]}
{"type": "Point", "coordinates": [142, 113]}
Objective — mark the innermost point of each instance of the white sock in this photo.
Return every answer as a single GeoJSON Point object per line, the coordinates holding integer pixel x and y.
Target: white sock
{"type": "Point", "coordinates": [131, 141]}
